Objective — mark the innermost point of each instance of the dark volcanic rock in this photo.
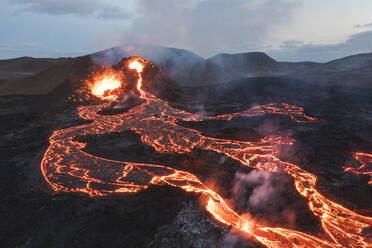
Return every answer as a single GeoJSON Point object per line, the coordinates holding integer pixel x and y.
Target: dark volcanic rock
{"type": "Point", "coordinates": [33, 216]}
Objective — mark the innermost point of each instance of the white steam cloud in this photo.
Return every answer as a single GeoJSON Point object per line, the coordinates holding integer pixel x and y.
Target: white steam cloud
{"type": "Point", "coordinates": [209, 26]}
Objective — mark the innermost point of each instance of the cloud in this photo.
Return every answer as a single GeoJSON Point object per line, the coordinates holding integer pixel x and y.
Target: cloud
{"type": "Point", "coordinates": [208, 26]}
{"type": "Point", "coordinates": [363, 25]}
{"type": "Point", "coordinates": [89, 8]}
{"type": "Point", "coordinates": [300, 51]}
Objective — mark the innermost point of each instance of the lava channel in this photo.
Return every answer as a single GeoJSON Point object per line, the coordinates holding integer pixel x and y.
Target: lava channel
{"type": "Point", "coordinates": [66, 167]}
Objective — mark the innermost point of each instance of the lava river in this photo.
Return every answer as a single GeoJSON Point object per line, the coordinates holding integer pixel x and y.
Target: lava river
{"type": "Point", "coordinates": [66, 167]}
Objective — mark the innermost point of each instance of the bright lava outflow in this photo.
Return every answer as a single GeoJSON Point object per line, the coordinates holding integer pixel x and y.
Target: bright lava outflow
{"type": "Point", "coordinates": [66, 167]}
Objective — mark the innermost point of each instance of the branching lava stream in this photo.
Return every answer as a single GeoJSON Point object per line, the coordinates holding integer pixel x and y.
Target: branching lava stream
{"type": "Point", "coordinates": [366, 165]}
{"type": "Point", "coordinates": [66, 167]}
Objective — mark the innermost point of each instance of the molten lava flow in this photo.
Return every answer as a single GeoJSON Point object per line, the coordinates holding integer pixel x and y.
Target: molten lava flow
{"type": "Point", "coordinates": [138, 65]}
{"type": "Point", "coordinates": [66, 167]}
{"type": "Point", "coordinates": [366, 165]}
{"type": "Point", "coordinates": [105, 85]}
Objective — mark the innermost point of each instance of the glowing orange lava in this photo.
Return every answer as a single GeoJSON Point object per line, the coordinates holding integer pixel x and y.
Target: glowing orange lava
{"type": "Point", "coordinates": [366, 165]}
{"type": "Point", "coordinates": [105, 85]}
{"type": "Point", "coordinates": [66, 167]}
{"type": "Point", "coordinates": [138, 65]}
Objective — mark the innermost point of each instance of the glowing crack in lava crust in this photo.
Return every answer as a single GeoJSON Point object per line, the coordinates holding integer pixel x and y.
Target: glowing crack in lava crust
{"type": "Point", "coordinates": [66, 167]}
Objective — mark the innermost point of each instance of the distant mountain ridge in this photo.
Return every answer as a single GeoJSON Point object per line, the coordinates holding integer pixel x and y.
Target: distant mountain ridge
{"type": "Point", "coordinates": [246, 64]}
{"type": "Point", "coordinates": [355, 70]}
{"type": "Point", "coordinates": [28, 76]}
{"type": "Point", "coordinates": [261, 62]}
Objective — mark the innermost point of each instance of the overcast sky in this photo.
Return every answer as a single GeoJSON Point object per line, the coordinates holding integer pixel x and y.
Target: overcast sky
{"type": "Point", "coordinates": [290, 30]}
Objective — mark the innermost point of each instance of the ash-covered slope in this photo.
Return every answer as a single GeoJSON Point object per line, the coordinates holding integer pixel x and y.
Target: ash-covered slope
{"type": "Point", "coordinates": [354, 62]}
{"type": "Point", "coordinates": [42, 82]}
{"type": "Point", "coordinates": [26, 66]}
{"type": "Point", "coordinates": [355, 71]}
